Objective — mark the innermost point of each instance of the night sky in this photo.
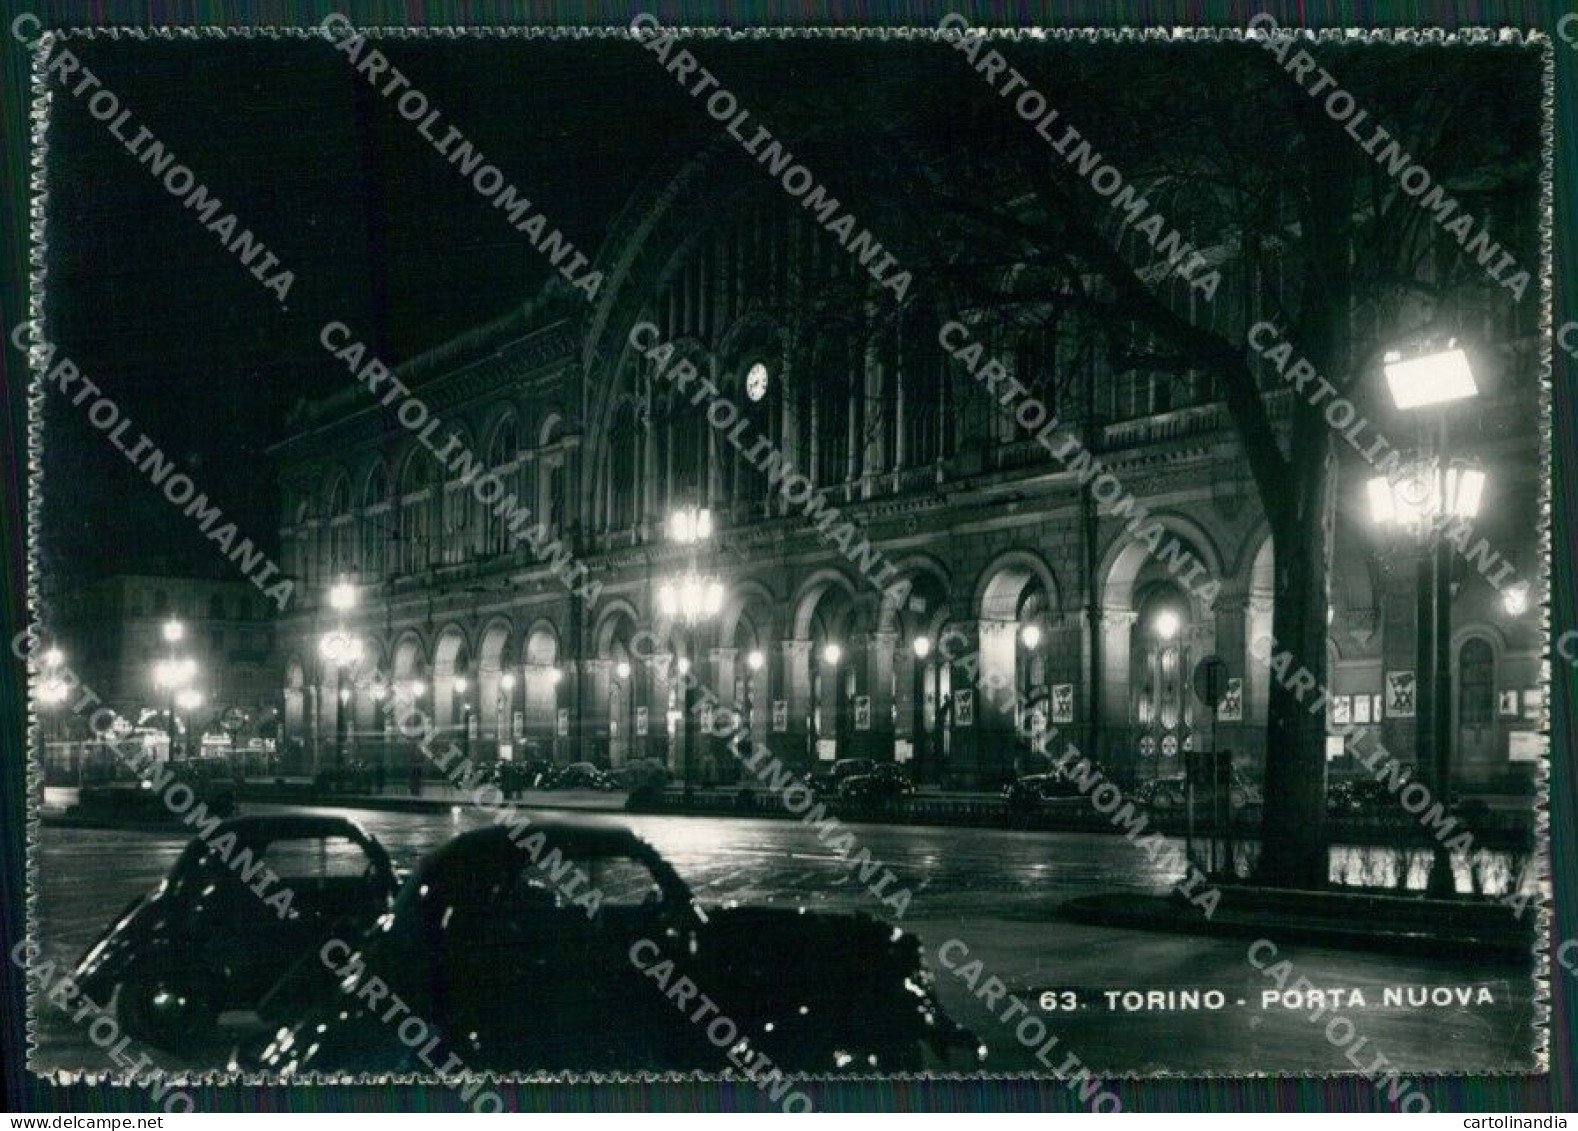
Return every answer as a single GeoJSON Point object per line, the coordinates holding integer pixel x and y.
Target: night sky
{"type": "Point", "coordinates": [379, 229]}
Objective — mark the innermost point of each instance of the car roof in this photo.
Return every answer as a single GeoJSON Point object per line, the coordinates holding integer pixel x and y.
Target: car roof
{"type": "Point", "coordinates": [568, 835]}
{"type": "Point", "coordinates": [289, 826]}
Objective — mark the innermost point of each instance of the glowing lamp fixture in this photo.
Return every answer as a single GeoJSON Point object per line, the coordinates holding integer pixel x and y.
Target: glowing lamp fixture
{"type": "Point", "coordinates": [555, 675]}
{"type": "Point", "coordinates": [1423, 495]}
{"type": "Point", "coordinates": [1166, 624]}
{"type": "Point", "coordinates": [683, 665]}
{"type": "Point", "coordinates": [173, 630]}
{"type": "Point", "coordinates": [691, 598]}
{"type": "Point", "coordinates": [755, 660]}
{"type": "Point", "coordinates": [52, 691]}
{"type": "Point", "coordinates": [507, 681]}
{"type": "Point", "coordinates": [342, 597]}
{"type": "Point", "coordinates": [1515, 599]}
{"type": "Point", "coordinates": [189, 699]}
{"type": "Point", "coordinates": [922, 647]}
{"type": "Point", "coordinates": [460, 685]}
{"type": "Point", "coordinates": [1031, 635]}
{"type": "Point", "coordinates": [54, 658]}
{"type": "Point", "coordinates": [832, 653]}
{"type": "Point", "coordinates": [174, 674]}
{"type": "Point", "coordinates": [1429, 379]}
{"type": "Point", "coordinates": [340, 648]}
{"type": "Point", "coordinates": [689, 525]}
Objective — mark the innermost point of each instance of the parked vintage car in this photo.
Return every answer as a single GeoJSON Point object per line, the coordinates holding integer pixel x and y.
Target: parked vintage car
{"type": "Point", "coordinates": [1027, 794]}
{"type": "Point", "coordinates": [211, 781]}
{"type": "Point", "coordinates": [1171, 794]}
{"type": "Point", "coordinates": [495, 943]}
{"type": "Point", "coordinates": [885, 785]}
{"type": "Point", "coordinates": [578, 775]}
{"type": "Point", "coordinates": [218, 932]}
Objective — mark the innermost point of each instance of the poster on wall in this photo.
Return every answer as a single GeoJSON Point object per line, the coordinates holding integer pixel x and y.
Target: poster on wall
{"type": "Point", "coordinates": [562, 722]}
{"type": "Point", "coordinates": [862, 712]}
{"type": "Point", "coordinates": [780, 715]}
{"type": "Point", "coordinates": [1524, 746]}
{"type": "Point", "coordinates": [1399, 695]}
{"type": "Point", "coordinates": [964, 708]}
{"type": "Point", "coordinates": [1341, 710]}
{"type": "Point", "coordinates": [642, 722]}
{"type": "Point", "coordinates": [1507, 706]}
{"type": "Point", "coordinates": [518, 725]}
{"type": "Point", "coordinates": [1231, 709]}
{"type": "Point", "coordinates": [1361, 708]}
{"type": "Point", "coordinates": [1062, 702]}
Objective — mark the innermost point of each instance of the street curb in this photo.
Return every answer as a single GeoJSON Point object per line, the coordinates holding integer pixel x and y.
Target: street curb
{"type": "Point", "coordinates": [1398, 935]}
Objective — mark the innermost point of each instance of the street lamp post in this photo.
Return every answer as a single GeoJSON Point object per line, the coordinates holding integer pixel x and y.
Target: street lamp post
{"type": "Point", "coordinates": [754, 662]}
{"type": "Point", "coordinates": [188, 699]}
{"type": "Point", "coordinates": [52, 692]}
{"type": "Point", "coordinates": [1166, 625]}
{"type": "Point", "coordinates": [921, 646]}
{"type": "Point", "coordinates": [622, 674]}
{"type": "Point", "coordinates": [1030, 637]}
{"type": "Point", "coordinates": [690, 598]}
{"type": "Point", "coordinates": [173, 631]}
{"type": "Point", "coordinates": [832, 653]}
{"type": "Point", "coordinates": [501, 729]}
{"type": "Point", "coordinates": [1430, 496]}
{"type": "Point", "coordinates": [340, 649]}
{"type": "Point", "coordinates": [465, 718]}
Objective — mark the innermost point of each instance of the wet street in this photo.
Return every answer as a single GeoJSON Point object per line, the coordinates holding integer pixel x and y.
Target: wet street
{"type": "Point", "coordinates": [995, 891]}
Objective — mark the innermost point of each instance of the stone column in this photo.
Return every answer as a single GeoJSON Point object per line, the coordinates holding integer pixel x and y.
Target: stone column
{"type": "Point", "coordinates": [792, 746]}
{"type": "Point", "coordinates": [718, 762]}
{"type": "Point", "coordinates": [1400, 652]}
{"type": "Point", "coordinates": [596, 735]}
{"type": "Point", "coordinates": [875, 680]}
{"type": "Point", "coordinates": [1117, 750]}
{"type": "Point", "coordinates": [958, 648]}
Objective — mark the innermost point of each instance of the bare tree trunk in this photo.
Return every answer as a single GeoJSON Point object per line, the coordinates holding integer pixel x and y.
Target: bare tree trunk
{"type": "Point", "coordinates": [1293, 840]}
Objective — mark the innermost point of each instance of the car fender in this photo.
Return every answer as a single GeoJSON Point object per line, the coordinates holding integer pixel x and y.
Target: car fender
{"type": "Point", "coordinates": [132, 938]}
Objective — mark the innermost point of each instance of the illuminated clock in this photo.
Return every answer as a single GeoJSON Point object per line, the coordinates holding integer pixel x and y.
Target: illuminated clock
{"type": "Point", "coordinates": [756, 382]}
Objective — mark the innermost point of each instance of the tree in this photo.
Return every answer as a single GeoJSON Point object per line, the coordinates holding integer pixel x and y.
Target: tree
{"type": "Point", "coordinates": [1285, 216]}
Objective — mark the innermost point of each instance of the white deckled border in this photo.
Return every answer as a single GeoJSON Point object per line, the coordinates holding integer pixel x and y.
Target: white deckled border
{"type": "Point", "coordinates": [39, 112]}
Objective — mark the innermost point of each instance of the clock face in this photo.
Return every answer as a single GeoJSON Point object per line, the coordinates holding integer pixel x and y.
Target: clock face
{"type": "Point", "coordinates": [756, 382]}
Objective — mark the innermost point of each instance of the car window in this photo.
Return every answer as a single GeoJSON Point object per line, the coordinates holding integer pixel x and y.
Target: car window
{"type": "Point", "coordinates": [317, 858]}
{"type": "Point", "coordinates": [624, 882]}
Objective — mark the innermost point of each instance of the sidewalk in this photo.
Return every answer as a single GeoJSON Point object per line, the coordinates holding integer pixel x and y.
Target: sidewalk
{"type": "Point", "coordinates": [1364, 920]}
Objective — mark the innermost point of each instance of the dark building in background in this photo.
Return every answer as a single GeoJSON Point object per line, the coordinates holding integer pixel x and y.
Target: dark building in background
{"type": "Point", "coordinates": [1016, 583]}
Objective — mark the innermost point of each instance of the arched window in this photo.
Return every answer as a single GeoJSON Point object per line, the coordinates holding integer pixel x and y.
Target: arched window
{"type": "Point", "coordinates": [830, 411]}
{"type": "Point", "coordinates": [925, 393]}
{"type": "Point", "coordinates": [503, 453]}
{"type": "Point", "coordinates": [340, 529]}
{"type": "Point", "coordinates": [689, 432]}
{"type": "Point", "coordinates": [556, 498]}
{"type": "Point", "coordinates": [623, 456]}
{"type": "Point", "coordinates": [375, 522]}
{"type": "Point", "coordinates": [416, 512]}
{"type": "Point", "coordinates": [301, 543]}
{"type": "Point", "coordinates": [456, 499]}
{"type": "Point", "coordinates": [1476, 683]}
